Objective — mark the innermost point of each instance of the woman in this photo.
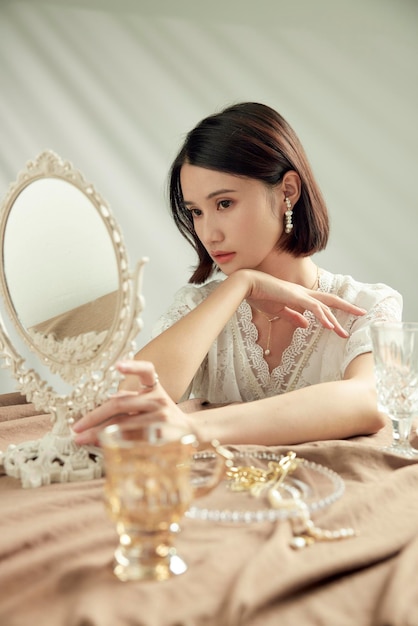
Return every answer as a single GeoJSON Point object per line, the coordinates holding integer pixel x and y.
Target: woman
{"type": "Point", "coordinates": [276, 350]}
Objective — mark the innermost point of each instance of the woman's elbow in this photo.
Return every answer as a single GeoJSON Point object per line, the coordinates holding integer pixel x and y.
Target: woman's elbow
{"type": "Point", "coordinates": [374, 419]}
{"type": "Point", "coordinates": [375, 422]}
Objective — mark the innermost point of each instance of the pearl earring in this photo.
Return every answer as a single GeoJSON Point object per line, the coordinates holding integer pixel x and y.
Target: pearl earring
{"type": "Point", "coordinates": [288, 216]}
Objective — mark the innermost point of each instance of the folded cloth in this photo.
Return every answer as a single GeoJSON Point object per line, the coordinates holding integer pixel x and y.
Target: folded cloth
{"type": "Point", "coordinates": [57, 545]}
{"type": "Point", "coordinates": [12, 398]}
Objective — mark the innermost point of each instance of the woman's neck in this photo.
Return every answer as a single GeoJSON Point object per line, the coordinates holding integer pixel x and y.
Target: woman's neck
{"type": "Point", "coordinates": [299, 270]}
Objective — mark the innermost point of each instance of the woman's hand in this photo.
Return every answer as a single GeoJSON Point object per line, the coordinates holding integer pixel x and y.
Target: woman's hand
{"type": "Point", "coordinates": [151, 403]}
{"type": "Point", "coordinates": [293, 299]}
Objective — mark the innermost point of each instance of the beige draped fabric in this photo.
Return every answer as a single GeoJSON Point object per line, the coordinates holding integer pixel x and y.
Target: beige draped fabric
{"type": "Point", "coordinates": [56, 548]}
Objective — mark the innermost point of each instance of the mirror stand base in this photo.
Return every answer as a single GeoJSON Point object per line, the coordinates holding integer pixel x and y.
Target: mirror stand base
{"type": "Point", "coordinates": [52, 459]}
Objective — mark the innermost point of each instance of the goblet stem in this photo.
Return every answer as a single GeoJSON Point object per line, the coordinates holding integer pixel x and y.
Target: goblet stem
{"type": "Point", "coordinates": [400, 441]}
{"type": "Point", "coordinates": [404, 430]}
{"type": "Point", "coordinates": [395, 430]}
{"type": "Point", "coordinates": [147, 556]}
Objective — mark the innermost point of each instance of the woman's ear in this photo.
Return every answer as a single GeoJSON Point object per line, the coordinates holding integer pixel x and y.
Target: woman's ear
{"type": "Point", "coordinates": [291, 187]}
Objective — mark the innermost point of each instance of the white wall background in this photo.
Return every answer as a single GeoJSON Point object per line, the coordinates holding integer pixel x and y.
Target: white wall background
{"type": "Point", "coordinates": [114, 85]}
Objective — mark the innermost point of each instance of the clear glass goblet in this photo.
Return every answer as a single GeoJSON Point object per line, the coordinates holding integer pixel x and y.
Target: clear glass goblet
{"type": "Point", "coordinates": [395, 352]}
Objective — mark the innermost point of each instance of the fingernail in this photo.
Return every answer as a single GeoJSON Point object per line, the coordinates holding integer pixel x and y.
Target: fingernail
{"type": "Point", "coordinates": [123, 366]}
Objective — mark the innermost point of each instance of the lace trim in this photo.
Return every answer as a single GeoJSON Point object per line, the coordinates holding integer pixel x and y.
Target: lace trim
{"type": "Point", "coordinates": [281, 376]}
{"type": "Point", "coordinates": [387, 310]}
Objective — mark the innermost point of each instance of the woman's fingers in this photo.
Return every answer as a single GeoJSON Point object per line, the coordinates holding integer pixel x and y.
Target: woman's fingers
{"type": "Point", "coordinates": [297, 299]}
{"type": "Point", "coordinates": [119, 404]}
{"type": "Point", "coordinates": [143, 369]}
{"type": "Point", "coordinates": [122, 403]}
{"type": "Point", "coordinates": [336, 302]}
{"type": "Point", "coordinates": [319, 305]}
{"type": "Point", "coordinates": [324, 317]}
{"type": "Point", "coordinates": [327, 317]}
{"type": "Point", "coordinates": [120, 408]}
{"type": "Point", "coordinates": [150, 403]}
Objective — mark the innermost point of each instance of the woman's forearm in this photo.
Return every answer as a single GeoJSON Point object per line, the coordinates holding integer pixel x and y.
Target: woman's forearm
{"type": "Point", "coordinates": [333, 410]}
{"type": "Point", "coordinates": [178, 352]}
{"type": "Point", "coordinates": [319, 412]}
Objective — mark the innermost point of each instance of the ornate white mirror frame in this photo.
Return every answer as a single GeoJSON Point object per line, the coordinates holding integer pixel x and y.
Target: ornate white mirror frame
{"type": "Point", "coordinates": [82, 364]}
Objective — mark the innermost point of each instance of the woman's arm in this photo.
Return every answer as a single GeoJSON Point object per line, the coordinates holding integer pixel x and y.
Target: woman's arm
{"type": "Point", "coordinates": [333, 410]}
{"type": "Point", "coordinates": [178, 352]}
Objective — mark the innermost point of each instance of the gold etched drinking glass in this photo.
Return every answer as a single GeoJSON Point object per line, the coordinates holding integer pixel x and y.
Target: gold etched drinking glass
{"type": "Point", "coordinates": [395, 351]}
{"type": "Point", "coordinates": [148, 488]}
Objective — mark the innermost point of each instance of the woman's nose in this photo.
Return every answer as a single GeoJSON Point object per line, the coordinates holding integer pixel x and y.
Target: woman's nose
{"type": "Point", "coordinates": [211, 232]}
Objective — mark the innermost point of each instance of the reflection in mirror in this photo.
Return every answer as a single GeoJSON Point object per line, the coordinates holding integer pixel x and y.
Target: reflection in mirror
{"type": "Point", "coordinates": [75, 336]}
{"type": "Point", "coordinates": [68, 291]}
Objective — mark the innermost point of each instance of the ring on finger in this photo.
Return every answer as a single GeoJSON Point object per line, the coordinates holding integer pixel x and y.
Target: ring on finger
{"type": "Point", "coordinates": [154, 384]}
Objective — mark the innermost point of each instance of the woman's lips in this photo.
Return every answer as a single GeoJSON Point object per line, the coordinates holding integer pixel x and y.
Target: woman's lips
{"type": "Point", "coordinates": [223, 257]}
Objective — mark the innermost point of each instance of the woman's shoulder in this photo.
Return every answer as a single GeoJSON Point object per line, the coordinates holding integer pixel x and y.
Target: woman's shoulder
{"type": "Point", "coordinates": [363, 294]}
{"type": "Point", "coordinates": [345, 285]}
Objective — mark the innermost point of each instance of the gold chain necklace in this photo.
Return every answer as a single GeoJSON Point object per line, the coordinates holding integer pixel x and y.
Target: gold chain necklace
{"type": "Point", "coordinates": [270, 320]}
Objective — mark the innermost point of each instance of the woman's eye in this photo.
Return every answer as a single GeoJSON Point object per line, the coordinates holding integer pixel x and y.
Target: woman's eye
{"type": "Point", "coordinates": [224, 204]}
{"type": "Point", "coordinates": [195, 212]}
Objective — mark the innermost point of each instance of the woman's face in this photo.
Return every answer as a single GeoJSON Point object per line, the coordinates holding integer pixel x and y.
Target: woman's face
{"type": "Point", "coordinates": [238, 220]}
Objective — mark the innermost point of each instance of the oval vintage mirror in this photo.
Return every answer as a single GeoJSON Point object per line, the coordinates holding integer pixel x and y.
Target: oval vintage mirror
{"type": "Point", "coordinates": [70, 296]}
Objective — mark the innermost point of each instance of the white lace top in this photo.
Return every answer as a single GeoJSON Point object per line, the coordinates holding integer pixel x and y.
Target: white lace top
{"type": "Point", "coordinates": [234, 369]}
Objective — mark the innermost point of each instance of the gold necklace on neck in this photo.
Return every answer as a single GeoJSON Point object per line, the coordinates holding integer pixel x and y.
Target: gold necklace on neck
{"type": "Point", "coordinates": [270, 320]}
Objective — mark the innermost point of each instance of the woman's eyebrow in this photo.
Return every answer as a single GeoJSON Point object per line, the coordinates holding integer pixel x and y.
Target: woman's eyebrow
{"type": "Point", "coordinates": [218, 192]}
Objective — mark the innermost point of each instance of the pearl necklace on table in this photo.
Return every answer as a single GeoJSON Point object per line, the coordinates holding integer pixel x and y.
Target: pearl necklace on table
{"type": "Point", "coordinates": [270, 320]}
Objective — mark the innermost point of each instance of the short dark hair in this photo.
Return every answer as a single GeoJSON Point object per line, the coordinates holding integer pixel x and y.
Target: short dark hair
{"type": "Point", "coordinates": [252, 140]}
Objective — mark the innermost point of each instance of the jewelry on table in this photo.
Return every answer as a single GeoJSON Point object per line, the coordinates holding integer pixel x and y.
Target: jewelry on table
{"type": "Point", "coordinates": [270, 320]}
{"type": "Point", "coordinates": [305, 533]}
{"type": "Point", "coordinates": [257, 480]}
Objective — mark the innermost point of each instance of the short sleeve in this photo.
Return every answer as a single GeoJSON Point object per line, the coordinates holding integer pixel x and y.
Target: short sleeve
{"type": "Point", "coordinates": [185, 300]}
{"type": "Point", "coordinates": [381, 303]}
